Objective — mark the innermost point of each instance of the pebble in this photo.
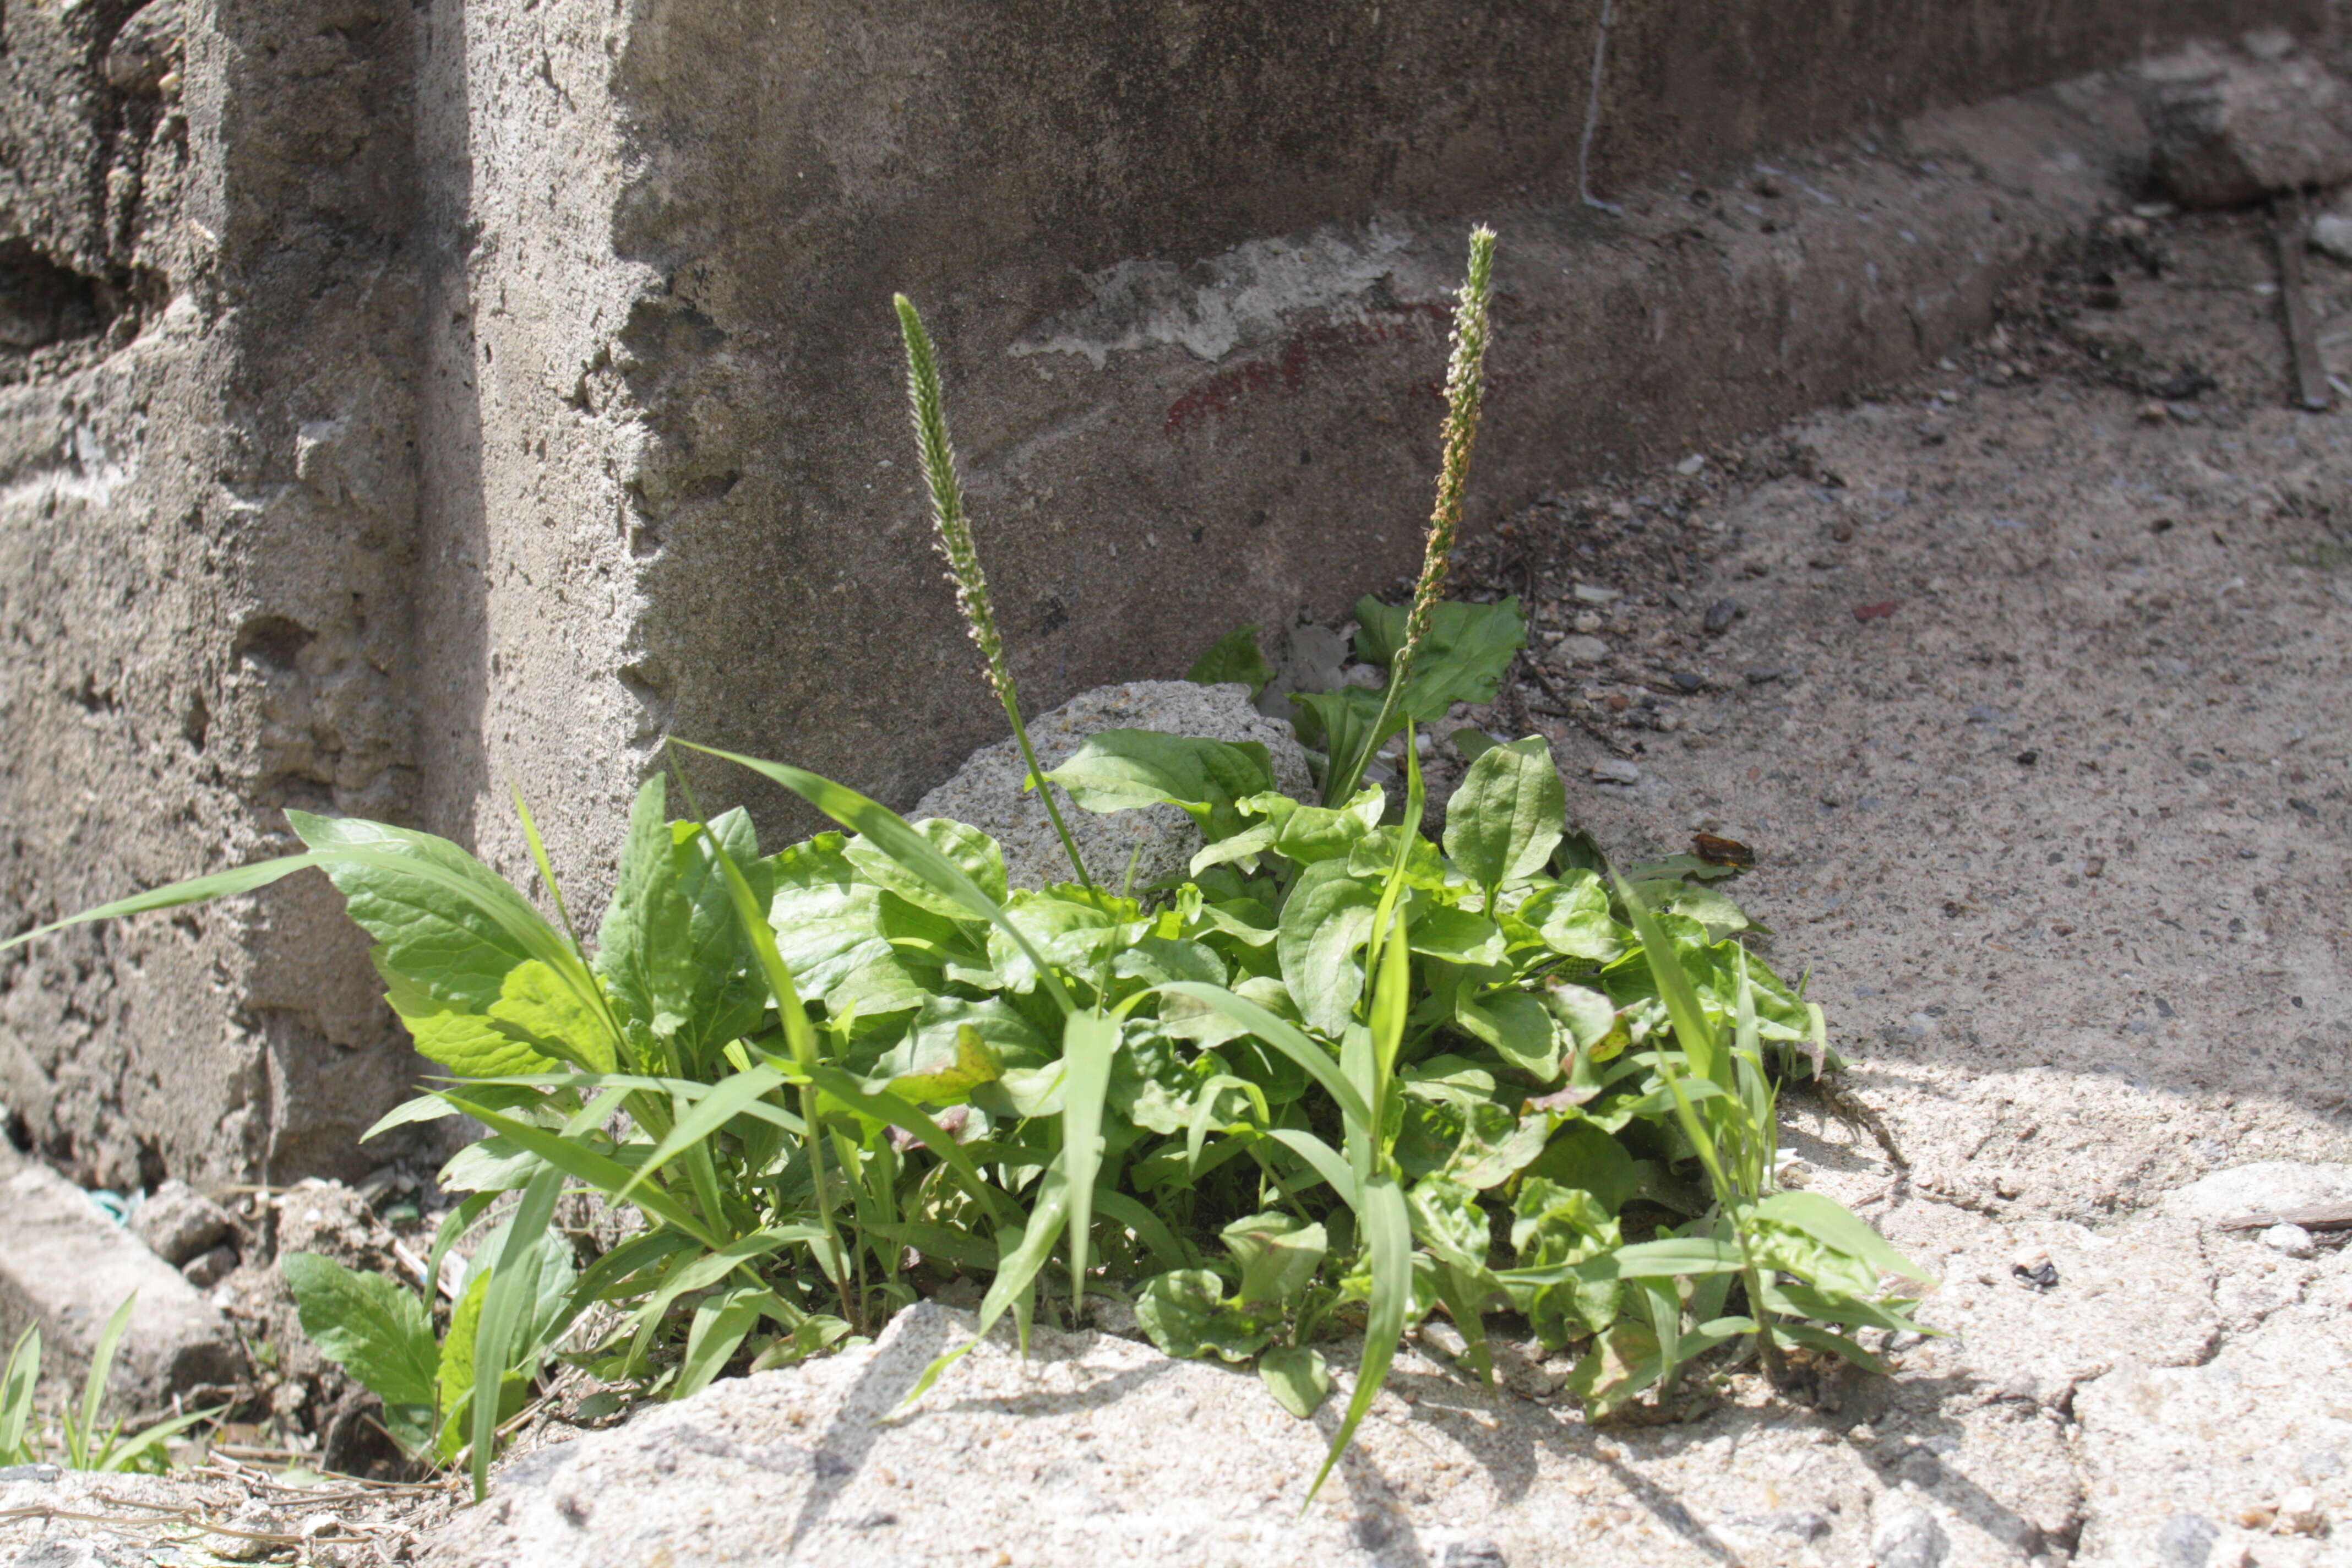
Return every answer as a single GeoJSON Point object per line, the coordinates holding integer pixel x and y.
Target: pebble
{"type": "Point", "coordinates": [1688, 680]}
{"type": "Point", "coordinates": [253, 1517]}
{"type": "Point", "coordinates": [1910, 1539]}
{"type": "Point", "coordinates": [1764, 677]}
{"type": "Point", "coordinates": [1721, 614]}
{"type": "Point", "coordinates": [1583, 649]}
{"type": "Point", "coordinates": [1593, 594]}
{"type": "Point", "coordinates": [2291, 1239]}
{"type": "Point", "coordinates": [1472, 1555]}
{"type": "Point", "coordinates": [2299, 1512]}
{"type": "Point", "coordinates": [1616, 769]}
{"type": "Point", "coordinates": [207, 1270]}
{"type": "Point", "coordinates": [2186, 1541]}
{"type": "Point", "coordinates": [2332, 233]}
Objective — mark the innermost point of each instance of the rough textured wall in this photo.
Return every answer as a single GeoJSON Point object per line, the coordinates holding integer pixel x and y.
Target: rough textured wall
{"type": "Point", "coordinates": [404, 400]}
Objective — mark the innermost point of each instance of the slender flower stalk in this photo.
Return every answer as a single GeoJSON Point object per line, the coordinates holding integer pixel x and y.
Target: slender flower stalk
{"type": "Point", "coordinates": [954, 530]}
{"type": "Point", "coordinates": [1466, 388]}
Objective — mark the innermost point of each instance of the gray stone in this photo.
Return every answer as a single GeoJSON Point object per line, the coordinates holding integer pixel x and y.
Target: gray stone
{"type": "Point", "coordinates": [2291, 1239]}
{"type": "Point", "coordinates": [74, 1551]}
{"type": "Point", "coordinates": [2331, 233]}
{"type": "Point", "coordinates": [2186, 1541]}
{"type": "Point", "coordinates": [1616, 771]}
{"type": "Point", "coordinates": [1909, 1537]}
{"type": "Point", "coordinates": [1582, 649]}
{"type": "Point", "coordinates": [986, 791]}
{"type": "Point", "coordinates": [2266, 1186]}
{"type": "Point", "coordinates": [207, 1270]}
{"type": "Point", "coordinates": [67, 1266]}
{"type": "Point", "coordinates": [2228, 130]}
{"type": "Point", "coordinates": [179, 1222]}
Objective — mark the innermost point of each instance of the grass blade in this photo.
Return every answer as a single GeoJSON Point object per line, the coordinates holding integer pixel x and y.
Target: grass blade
{"type": "Point", "coordinates": [195, 890]}
{"type": "Point", "coordinates": [709, 1114]}
{"type": "Point", "coordinates": [16, 1396]}
{"type": "Point", "coordinates": [1089, 1041]}
{"type": "Point", "coordinates": [503, 1306]}
{"type": "Point", "coordinates": [897, 837]}
{"type": "Point", "coordinates": [1283, 1036]}
{"type": "Point", "coordinates": [101, 1362]}
{"type": "Point", "coordinates": [1387, 1236]}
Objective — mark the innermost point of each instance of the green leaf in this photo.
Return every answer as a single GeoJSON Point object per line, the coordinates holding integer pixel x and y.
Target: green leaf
{"type": "Point", "coordinates": [1123, 770]}
{"type": "Point", "coordinates": [1336, 723]}
{"type": "Point", "coordinates": [538, 1011]}
{"type": "Point", "coordinates": [1833, 1225]}
{"type": "Point", "coordinates": [1581, 1155]}
{"type": "Point", "coordinates": [1233, 657]}
{"type": "Point", "coordinates": [1089, 1045]}
{"type": "Point", "coordinates": [1495, 1146]}
{"type": "Point", "coordinates": [1501, 825]}
{"type": "Point", "coordinates": [1278, 1255]}
{"type": "Point", "coordinates": [376, 1331]}
{"type": "Point", "coordinates": [16, 1386]}
{"type": "Point", "coordinates": [1388, 1238]}
{"type": "Point", "coordinates": [195, 890]}
{"type": "Point", "coordinates": [1282, 1037]}
{"type": "Point", "coordinates": [443, 919]}
{"type": "Point", "coordinates": [1296, 1377]}
{"type": "Point", "coordinates": [1517, 1025]}
{"type": "Point", "coordinates": [896, 837]}
{"type": "Point", "coordinates": [967, 848]}
{"type": "Point", "coordinates": [670, 946]}
{"type": "Point", "coordinates": [1325, 923]}
{"type": "Point", "coordinates": [1571, 917]}
{"type": "Point", "coordinates": [1186, 1318]}
{"type": "Point", "coordinates": [942, 1079]}
{"type": "Point", "coordinates": [1447, 1220]}
{"type": "Point", "coordinates": [507, 1309]}
{"type": "Point", "coordinates": [1462, 659]}
{"type": "Point", "coordinates": [1457, 936]}
{"type": "Point", "coordinates": [825, 915]}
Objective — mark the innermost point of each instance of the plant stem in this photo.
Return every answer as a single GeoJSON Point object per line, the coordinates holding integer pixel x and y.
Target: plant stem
{"type": "Point", "coordinates": [1465, 387]}
{"type": "Point", "coordinates": [955, 542]}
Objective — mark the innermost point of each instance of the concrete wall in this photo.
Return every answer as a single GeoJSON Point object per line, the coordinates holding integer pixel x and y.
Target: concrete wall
{"type": "Point", "coordinates": [400, 402]}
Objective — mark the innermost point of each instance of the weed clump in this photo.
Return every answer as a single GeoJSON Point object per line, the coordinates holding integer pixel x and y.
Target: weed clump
{"type": "Point", "coordinates": [1340, 1077]}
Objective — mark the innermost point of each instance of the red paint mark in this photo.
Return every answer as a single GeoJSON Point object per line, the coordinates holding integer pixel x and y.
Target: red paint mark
{"type": "Point", "coordinates": [1876, 612]}
{"type": "Point", "coordinates": [1288, 373]}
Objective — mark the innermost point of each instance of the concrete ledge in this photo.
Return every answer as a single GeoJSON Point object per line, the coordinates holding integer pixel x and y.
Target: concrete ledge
{"type": "Point", "coordinates": [67, 1266]}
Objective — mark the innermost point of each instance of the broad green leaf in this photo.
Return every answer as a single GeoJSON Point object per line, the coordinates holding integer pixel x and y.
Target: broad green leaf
{"type": "Point", "coordinates": [1571, 917]}
{"type": "Point", "coordinates": [1049, 929]}
{"type": "Point", "coordinates": [1711, 909]}
{"type": "Point", "coordinates": [1157, 960]}
{"type": "Point", "coordinates": [1517, 1025]}
{"type": "Point", "coordinates": [539, 1012]}
{"type": "Point", "coordinates": [1447, 1220]}
{"type": "Point", "coordinates": [492, 1164]}
{"type": "Point", "coordinates": [1833, 1225]}
{"type": "Point", "coordinates": [1233, 657]}
{"type": "Point", "coordinates": [1325, 923]}
{"type": "Point", "coordinates": [1580, 1155]}
{"type": "Point", "coordinates": [375, 1330]}
{"type": "Point", "coordinates": [671, 947]}
{"type": "Point", "coordinates": [1457, 936]}
{"type": "Point", "coordinates": [1462, 659]}
{"type": "Point", "coordinates": [942, 1079]}
{"type": "Point", "coordinates": [827, 916]}
{"type": "Point", "coordinates": [1387, 1239]}
{"type": "Point", "coordinates": [1296, 1377]}
{"type": "Point", "coordinates": [1284, 1038]}
{"type": "Point", "coordinates": [1186, 1316]}
{"type": "Point", "coordinates": [1123, 770]}
{"type": "Point", "coordinates": [1278, 1254]}
{"type": "Point", "coordinates": [456, 1035]}
{"type": "Point", "coordinates": [422, 1108]}
{"type": "Point", "coordinates": [968, 850]}
{"type": "Point", "coordinates": [1589, 1016]}
{"type": "Point", "coordinates": [1495, 1146]}
{"type": "Point", "coordinates": [896, 837]}
{"type": "Point", "coordinates": [934, 1037]}
{"type": "Point", "coordinates": [1501, 825]}
{"type": "Point", "coordinates": [443, 918]}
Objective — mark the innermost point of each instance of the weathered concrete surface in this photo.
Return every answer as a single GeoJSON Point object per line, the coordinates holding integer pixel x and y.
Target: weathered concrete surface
{"type": "Point", "coordinates": [67, 1267]}
{"type": "Point", "coordinates": [411, 401]}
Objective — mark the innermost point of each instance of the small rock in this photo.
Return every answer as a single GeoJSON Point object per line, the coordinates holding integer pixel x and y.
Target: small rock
{"type": "Point", "coordinates": [2033, 1265]}
{"type": "Point", "coordinates": [1472, 1555]}
{"type": "Point", "coordinates": [2331, 233]}
{"type": "Point", "coordinates": [73, 1552]}
{"type": "Point", "coordinates": [207, 1270]}
{"type": "Point", "coordinates": [1616, 771]}
{"type": "Point", "coordinates": [41, 1475]}
{"type": "Point", "coordinates": [2266, 1186]}
{"type": "Point", "coordinates": [2227, 132]}
{"type": "Point", "coordinates": [179, 1222]}
{"type": "Point", "coordinates": [253, 1517]}
{"type": "Point", "coordinates": [1877, 612]}
{"type": "Point", "coordinates": [2299, 1513]}
{"type": "Point", "coordinates": [2291, 1239]}
{"type": "Point", "coordinates": [2186, 1541]}
{"type": "Point", "coordinates": [1593, 594]}
{"type": "Point", "coordinates": [1721, 614]}
{"type": "Point", "coordinates": [1687, 680]}
{"type": "Point", "coordinates": [1764, 677]}
{"type": "Point", "coordinates": [1582, 649]}
{"type": "Point", "coordinates": [1910, 1537]}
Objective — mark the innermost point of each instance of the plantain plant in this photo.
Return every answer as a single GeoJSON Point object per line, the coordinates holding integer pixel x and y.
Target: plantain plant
{"type": "Point", "coordinates": [1340, 1078]}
